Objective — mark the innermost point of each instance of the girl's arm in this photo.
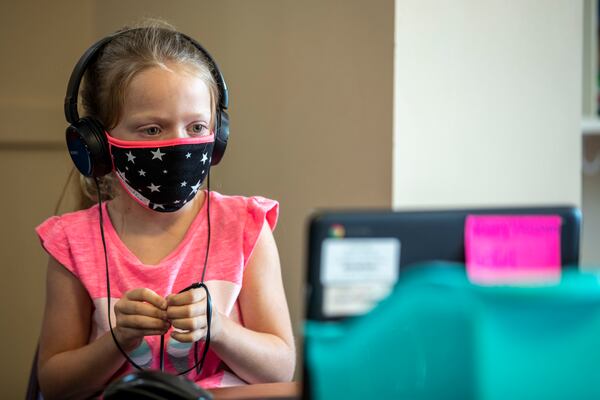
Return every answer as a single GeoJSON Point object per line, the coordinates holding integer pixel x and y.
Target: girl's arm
{"type": "Point", "coordinates": [68, 366]}
{"type": "Point", "coordinates": [263, 350]}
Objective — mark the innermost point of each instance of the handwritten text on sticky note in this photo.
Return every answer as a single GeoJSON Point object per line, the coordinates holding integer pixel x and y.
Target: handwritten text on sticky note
{"type": "Point", "coordinates": [506, 249]}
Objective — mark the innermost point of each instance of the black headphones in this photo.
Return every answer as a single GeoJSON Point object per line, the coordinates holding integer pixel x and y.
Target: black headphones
{"type": "Point", "coordinates": [86, 137]}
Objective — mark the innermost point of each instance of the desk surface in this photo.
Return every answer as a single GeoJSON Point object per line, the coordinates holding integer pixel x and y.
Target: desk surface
{"type": "Point", "coordinates": [283, 390]}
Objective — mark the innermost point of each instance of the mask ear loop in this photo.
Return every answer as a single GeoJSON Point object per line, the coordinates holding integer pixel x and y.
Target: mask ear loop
{"type": "Point", "coordinates": [198, 364]}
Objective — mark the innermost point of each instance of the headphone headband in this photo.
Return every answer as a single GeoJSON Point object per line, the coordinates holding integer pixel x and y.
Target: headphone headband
{"type": "Point", "coordinates": [71, 98]}
{"type": "Point", "coordinates": [86, 137]}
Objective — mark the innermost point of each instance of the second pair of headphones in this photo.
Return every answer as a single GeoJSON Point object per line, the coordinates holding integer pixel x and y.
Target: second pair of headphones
{"type": "Point", "coordinates": [86, 137]}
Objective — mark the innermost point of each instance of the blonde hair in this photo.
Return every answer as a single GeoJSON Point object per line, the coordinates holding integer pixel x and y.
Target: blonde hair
{"type": "Point", "coordinates": [153, 43]}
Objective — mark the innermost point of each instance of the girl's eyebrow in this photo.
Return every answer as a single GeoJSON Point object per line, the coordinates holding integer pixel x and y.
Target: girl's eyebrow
{"type": "Point", "coordinates": [146, 118]}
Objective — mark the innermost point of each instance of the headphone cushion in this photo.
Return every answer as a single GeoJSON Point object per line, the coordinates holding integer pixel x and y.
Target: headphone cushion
{"type": "Point", "coordinates": [221, 137]}
{"type": "Point", "coordinates": [88, 147]}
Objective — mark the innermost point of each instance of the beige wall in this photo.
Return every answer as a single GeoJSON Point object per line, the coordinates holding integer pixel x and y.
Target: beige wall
{"type": "Point", "coordinates": [311, 107]}
{"type": "Point", "coordinates": [487, 103]}
{"type": "Point", "coordinates": [38, 46]}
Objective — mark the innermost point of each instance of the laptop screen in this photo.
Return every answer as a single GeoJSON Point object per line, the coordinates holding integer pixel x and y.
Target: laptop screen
{"type": "Point", "coordinates": [356, 257]}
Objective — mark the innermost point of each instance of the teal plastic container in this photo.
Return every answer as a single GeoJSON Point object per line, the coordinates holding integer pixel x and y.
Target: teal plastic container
{"type": "Point", "coordinates": [437, 336]}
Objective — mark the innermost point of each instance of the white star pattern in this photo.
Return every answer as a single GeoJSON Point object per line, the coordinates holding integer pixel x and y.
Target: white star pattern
{"type": "Point", "coordinates": [195, 187]}
{"type": "Point", "coordinates": [130, 157]}
{"type": "Point", "coordinates": [157, 154]}
{"type": "Point", "coordinates": [159, 181]}
{"type": "Point", "coordinates": [154, 188]}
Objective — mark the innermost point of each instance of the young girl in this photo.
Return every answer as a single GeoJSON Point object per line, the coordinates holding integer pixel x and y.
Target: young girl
{"type": "Point", "coordinates": [156, 96]}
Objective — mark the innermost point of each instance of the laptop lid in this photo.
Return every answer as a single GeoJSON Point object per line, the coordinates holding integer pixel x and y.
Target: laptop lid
{"type": "Point", "coordinates": [356, 257]}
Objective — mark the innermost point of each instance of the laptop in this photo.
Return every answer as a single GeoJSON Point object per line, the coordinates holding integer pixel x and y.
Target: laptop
{"type": "Point", "coordinates": [356, 257]}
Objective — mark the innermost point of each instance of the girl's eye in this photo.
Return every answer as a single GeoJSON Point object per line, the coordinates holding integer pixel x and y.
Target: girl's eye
{"type": "Point", "coordinates": [198, 129]}
{"type": "Point", "coordinates": [152, 131]}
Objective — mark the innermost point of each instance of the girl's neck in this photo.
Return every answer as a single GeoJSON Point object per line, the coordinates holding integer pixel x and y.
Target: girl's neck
{"type": "Point", "coordinates": [126, 214]}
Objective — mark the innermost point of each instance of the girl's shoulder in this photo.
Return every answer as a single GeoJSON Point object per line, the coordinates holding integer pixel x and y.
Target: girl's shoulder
{"type": "Point", "coordinates": [242, 217]}
{"type": "Point", "coordinates": [239, 201]}
{"type": "Point", "coordinates": [72, 219]}
{"type": "Point", "coordinates": [60, 235]}
{"type": "Point", "coordinates": [256, 208]}
{"type": "Point", "coordinates": [220, 197]}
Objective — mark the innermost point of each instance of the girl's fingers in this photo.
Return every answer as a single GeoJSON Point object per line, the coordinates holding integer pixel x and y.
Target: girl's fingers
{"type": "Point", "coordinates": [140, 308]}
{"type": "Point", "coordinates": [147, 295]}
{"type": "Point", "coordinates": [188, 297]}
{"type": "Point", "coordinates": [189, 337]}
{"type": "Point", "coordinates": [189, 324]}
{"type": "Point", "coordinates": [141, 322]}
{"type": "Point", "coordinates": [145, 313]}
{"type": "Point", "coordinates": [186, 311]}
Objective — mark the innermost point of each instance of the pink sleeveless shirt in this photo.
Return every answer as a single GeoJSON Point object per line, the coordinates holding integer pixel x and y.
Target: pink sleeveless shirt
{"type": "Point", "coordinates": [74, 241]}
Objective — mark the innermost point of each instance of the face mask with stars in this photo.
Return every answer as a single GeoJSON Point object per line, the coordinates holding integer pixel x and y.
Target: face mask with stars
{"type": "Point", "coordinates": [162, 175]}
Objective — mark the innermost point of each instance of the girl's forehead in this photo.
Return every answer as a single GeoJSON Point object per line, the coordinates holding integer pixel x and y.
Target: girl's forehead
{"type": "Point", "coordinates": [164, 79]}
{"type": "Point", "coordinates": [159, 87]}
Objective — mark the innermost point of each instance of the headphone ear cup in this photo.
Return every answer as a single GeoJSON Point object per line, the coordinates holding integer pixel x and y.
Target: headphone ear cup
{"type": "Point", "coordinates": [88, 147]}
{"type": "Point", "coordinates": [221, 137]}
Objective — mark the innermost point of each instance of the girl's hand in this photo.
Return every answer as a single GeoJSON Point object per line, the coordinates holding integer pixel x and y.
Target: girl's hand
{"type": "Point", "coordinates": [187, 312]}
{"type": "Point", "coordinates": [140, 312]}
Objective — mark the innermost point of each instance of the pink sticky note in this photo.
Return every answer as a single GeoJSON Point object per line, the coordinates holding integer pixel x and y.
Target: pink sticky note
{"type": "Point", "coordinates": [512, 249]}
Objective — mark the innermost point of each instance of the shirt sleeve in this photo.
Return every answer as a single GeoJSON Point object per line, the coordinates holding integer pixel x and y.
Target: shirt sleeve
{"type": "Point", "coordinates": [258, 211]}
{"type": "Point", "coordinates": [54, 240]}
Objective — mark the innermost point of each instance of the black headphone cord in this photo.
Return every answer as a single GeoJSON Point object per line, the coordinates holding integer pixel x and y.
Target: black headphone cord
{"type": "Point", "coordinates": [112, 332]}
{"type": "Point", "coordinates": [199, 364]}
